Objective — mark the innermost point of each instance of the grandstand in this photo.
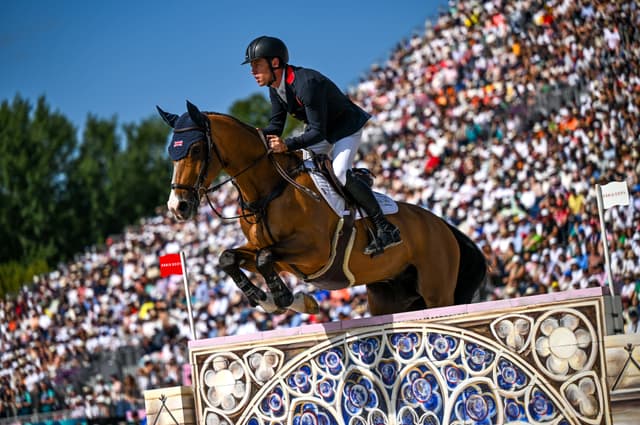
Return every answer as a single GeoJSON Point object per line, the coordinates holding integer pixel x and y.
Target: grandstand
{"type": "Point", "coordinates": [502, 116]}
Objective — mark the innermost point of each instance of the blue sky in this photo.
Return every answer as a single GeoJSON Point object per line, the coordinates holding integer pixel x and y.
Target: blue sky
{"type": "Point", "coordinates": [121, 58]}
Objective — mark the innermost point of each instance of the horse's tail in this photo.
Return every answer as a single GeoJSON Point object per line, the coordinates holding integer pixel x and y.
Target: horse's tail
{"type": "Point", "coordinates": [473, 268]}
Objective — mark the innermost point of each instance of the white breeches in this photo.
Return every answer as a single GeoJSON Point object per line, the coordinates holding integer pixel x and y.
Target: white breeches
{"type": "Point", "coordinates": [342, 153]}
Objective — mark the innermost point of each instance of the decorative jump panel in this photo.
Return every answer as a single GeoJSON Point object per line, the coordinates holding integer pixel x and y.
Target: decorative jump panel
{"type": "Point", "coordinates": [536, 360]}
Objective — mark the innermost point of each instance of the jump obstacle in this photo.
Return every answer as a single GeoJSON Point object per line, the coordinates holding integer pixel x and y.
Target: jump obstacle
{"type": "Point", "coordinates": [531, 360]}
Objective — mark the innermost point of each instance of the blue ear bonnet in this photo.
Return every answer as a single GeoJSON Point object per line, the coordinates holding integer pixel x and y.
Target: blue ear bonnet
{"type": "Point", "coordinates": [182, 140]}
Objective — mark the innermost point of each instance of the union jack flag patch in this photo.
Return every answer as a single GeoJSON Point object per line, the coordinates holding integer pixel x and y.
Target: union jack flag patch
{"type": "Point", "coordinates": [177, 143]}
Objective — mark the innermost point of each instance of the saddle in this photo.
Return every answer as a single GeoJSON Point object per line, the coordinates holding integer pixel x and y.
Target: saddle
{"type": "Point", "coordinates": [323, 165]}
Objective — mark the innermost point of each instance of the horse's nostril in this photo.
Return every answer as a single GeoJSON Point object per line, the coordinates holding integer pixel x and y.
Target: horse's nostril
{"type": "Point", "coordinates": [183, 206]}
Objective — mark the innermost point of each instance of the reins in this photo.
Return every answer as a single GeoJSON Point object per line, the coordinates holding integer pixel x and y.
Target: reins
{"type": "Point", "coordinates": [285, 175]}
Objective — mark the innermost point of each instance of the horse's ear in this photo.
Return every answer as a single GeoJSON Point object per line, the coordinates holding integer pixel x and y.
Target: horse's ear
{"type": "Point", "coordinates": [198, 117]}
{"type": "Point", "coordinates": [167, 117]}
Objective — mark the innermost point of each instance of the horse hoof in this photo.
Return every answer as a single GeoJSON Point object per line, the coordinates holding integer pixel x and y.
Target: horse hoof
{"type": "Point", "coordinates": [303, 303]}
{"type": "Point", "coordinates": [269, 306]}
{"type": "Point", "coordinates": [283, 300]}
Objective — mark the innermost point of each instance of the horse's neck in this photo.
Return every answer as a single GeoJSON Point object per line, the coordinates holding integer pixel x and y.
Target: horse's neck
{"type": "Point", "coordinates": [264, 178]}
{"type": "Point", "coordinates": [257, 176]}
{"type": "Point", "coordinates": [245, 151]}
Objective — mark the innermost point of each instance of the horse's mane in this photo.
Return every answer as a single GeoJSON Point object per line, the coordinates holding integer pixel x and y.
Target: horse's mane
{"type": "Point", "coordinates": [238, 121]}
{"type": "Point", "coordinates": [295, 156]}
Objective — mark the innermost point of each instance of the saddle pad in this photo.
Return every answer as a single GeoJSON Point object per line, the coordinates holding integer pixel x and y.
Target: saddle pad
{"type": "Point", "coordinates": [337, 203]}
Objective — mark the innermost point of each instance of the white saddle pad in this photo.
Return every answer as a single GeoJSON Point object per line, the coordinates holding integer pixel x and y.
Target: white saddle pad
{"type": "Point", "coordinates": [337, 203]}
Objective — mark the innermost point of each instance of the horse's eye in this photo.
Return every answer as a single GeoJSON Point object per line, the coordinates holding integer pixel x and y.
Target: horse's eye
{"type": "Point", "coordinates": [196, 150]}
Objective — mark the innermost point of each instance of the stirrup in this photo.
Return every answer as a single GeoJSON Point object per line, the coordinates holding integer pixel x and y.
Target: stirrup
{"type": "Point", "coordinates": [383, 241]}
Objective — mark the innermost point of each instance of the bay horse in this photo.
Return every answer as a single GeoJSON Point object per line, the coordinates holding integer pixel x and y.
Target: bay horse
{"type": "Point", "coordinates": [289, 228]}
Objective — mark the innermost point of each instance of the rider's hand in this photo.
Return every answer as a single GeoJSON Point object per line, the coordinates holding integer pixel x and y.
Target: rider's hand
{"type": "Point", "coordinates": [276, 144]}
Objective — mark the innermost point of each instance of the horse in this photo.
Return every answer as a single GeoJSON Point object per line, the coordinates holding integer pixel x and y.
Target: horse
{"type": "Point", "coordinates": [290, 228]}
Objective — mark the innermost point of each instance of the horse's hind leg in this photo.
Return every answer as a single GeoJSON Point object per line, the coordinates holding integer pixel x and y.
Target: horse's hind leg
{"type": "Point", "coordinates": [282, 296]}
{"type": "Point", "coordinates": [395, 295]}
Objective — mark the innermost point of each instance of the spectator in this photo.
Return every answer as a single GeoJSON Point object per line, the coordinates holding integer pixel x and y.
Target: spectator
{"type": "Point", "coordinates": [632, 325]}
{"type": "Point", "coordinates": [47, 398]}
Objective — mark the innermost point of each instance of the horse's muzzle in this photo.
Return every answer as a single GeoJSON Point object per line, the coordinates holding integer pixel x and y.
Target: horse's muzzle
{"type": "Point", "coordinates": [181, 208]}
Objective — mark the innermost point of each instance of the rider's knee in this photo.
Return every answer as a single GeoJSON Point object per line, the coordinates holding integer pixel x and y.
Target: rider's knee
{"type": "Point", "coordinates": [361, 175]}
{"type": "Point", "coordinates": [341, 171]}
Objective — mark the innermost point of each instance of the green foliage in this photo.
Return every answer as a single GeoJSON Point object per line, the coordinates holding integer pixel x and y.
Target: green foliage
{"type": "Point", "coordinates": [254, 110]}
{"type": "Point", "coordinates": [34, 158]}
{"type": "Point", "coordinates": [144, 172]}
{"type": "Point", "coordinates": [58, 196]}
{"type": "Point", "coordinates": [14, 274]}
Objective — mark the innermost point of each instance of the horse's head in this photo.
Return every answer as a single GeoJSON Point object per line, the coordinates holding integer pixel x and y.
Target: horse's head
{"type": "Point", "coordinates": [196, 160]}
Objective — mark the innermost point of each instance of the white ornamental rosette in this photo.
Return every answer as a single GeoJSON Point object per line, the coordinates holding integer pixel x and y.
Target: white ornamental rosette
{"type": "Point", "coordinates": [564, 343]}
{"type": "Point", "coordinates": [513, 331]}
{"type": "Point", "coordinates": [263, 363]}
{"type": "Point", "coordinates": [227, 383]}
{"type": "Point", "coordinates": [585, 397]}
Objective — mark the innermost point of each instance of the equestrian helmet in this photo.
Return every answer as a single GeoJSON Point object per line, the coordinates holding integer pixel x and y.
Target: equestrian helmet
{"type": "Point", "coordinates": [266, 47]}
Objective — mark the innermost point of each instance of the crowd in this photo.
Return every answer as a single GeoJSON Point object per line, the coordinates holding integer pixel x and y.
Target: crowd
{"type": "Point", "coordinates": [501, 117]}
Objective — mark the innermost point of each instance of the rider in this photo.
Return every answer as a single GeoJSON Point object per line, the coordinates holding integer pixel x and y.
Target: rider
{"type": "Point", "coordinates": [333, 124]}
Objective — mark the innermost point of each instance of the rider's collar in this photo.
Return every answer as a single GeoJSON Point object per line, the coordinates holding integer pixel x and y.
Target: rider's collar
{"type": "Point", "coordinates": [281, 89]}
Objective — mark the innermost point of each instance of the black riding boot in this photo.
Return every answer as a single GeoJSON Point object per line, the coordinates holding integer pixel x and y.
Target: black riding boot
{"type": "Point", "coordinates": [387, 234]}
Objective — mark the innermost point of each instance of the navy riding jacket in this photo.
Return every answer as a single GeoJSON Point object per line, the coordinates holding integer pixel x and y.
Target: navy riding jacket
{"type": "Point", "coordinates": [314, 99]}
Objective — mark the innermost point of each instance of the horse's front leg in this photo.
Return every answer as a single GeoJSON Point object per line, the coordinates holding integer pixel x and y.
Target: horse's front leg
{"type": "Point", "coordinates": [282, 296]}
{"type": "Point", "coordinates": [230, 261]}
{"type": "Point", "coordinates": [265, 265]}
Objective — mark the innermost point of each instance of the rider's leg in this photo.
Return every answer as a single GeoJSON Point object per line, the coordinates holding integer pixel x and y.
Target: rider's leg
{"type": "Point", "coordinates": [344, 152]}
{"type": "Point", "coordinates": [387, 234]}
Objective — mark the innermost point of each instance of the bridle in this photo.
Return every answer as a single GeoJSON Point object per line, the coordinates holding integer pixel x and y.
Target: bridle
{"type": "Point", "coordinates": [254, 208]}
{"type": "Point", "coordinates": [198, 190]}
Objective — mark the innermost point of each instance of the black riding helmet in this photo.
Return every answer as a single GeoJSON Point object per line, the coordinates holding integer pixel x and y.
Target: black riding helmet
{"type": "Point", "coordinates": [267, 47]}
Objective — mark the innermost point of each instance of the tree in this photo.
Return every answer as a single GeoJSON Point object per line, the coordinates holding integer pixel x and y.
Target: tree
{"type": "Point", "coordinates": [256, 111]}
{"type": "Point", "coordinates": [58, 196]}
{"type": "Point", "coordinates": [90, 184]}
{"type": "Point", "coordinates": [35, 156]}
{"type": "Point", "coordinates": [143, 175]}
{"type": "Point", "coordinates": [113, 183]}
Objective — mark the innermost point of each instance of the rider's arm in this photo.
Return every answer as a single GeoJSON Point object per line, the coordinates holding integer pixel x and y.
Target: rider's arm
{"type": "Point", "coordinates": [314, 98]}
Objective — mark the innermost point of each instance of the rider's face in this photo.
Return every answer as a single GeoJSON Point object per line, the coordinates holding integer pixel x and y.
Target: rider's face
{"type": "Point", "coordinates": [260, 71]}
